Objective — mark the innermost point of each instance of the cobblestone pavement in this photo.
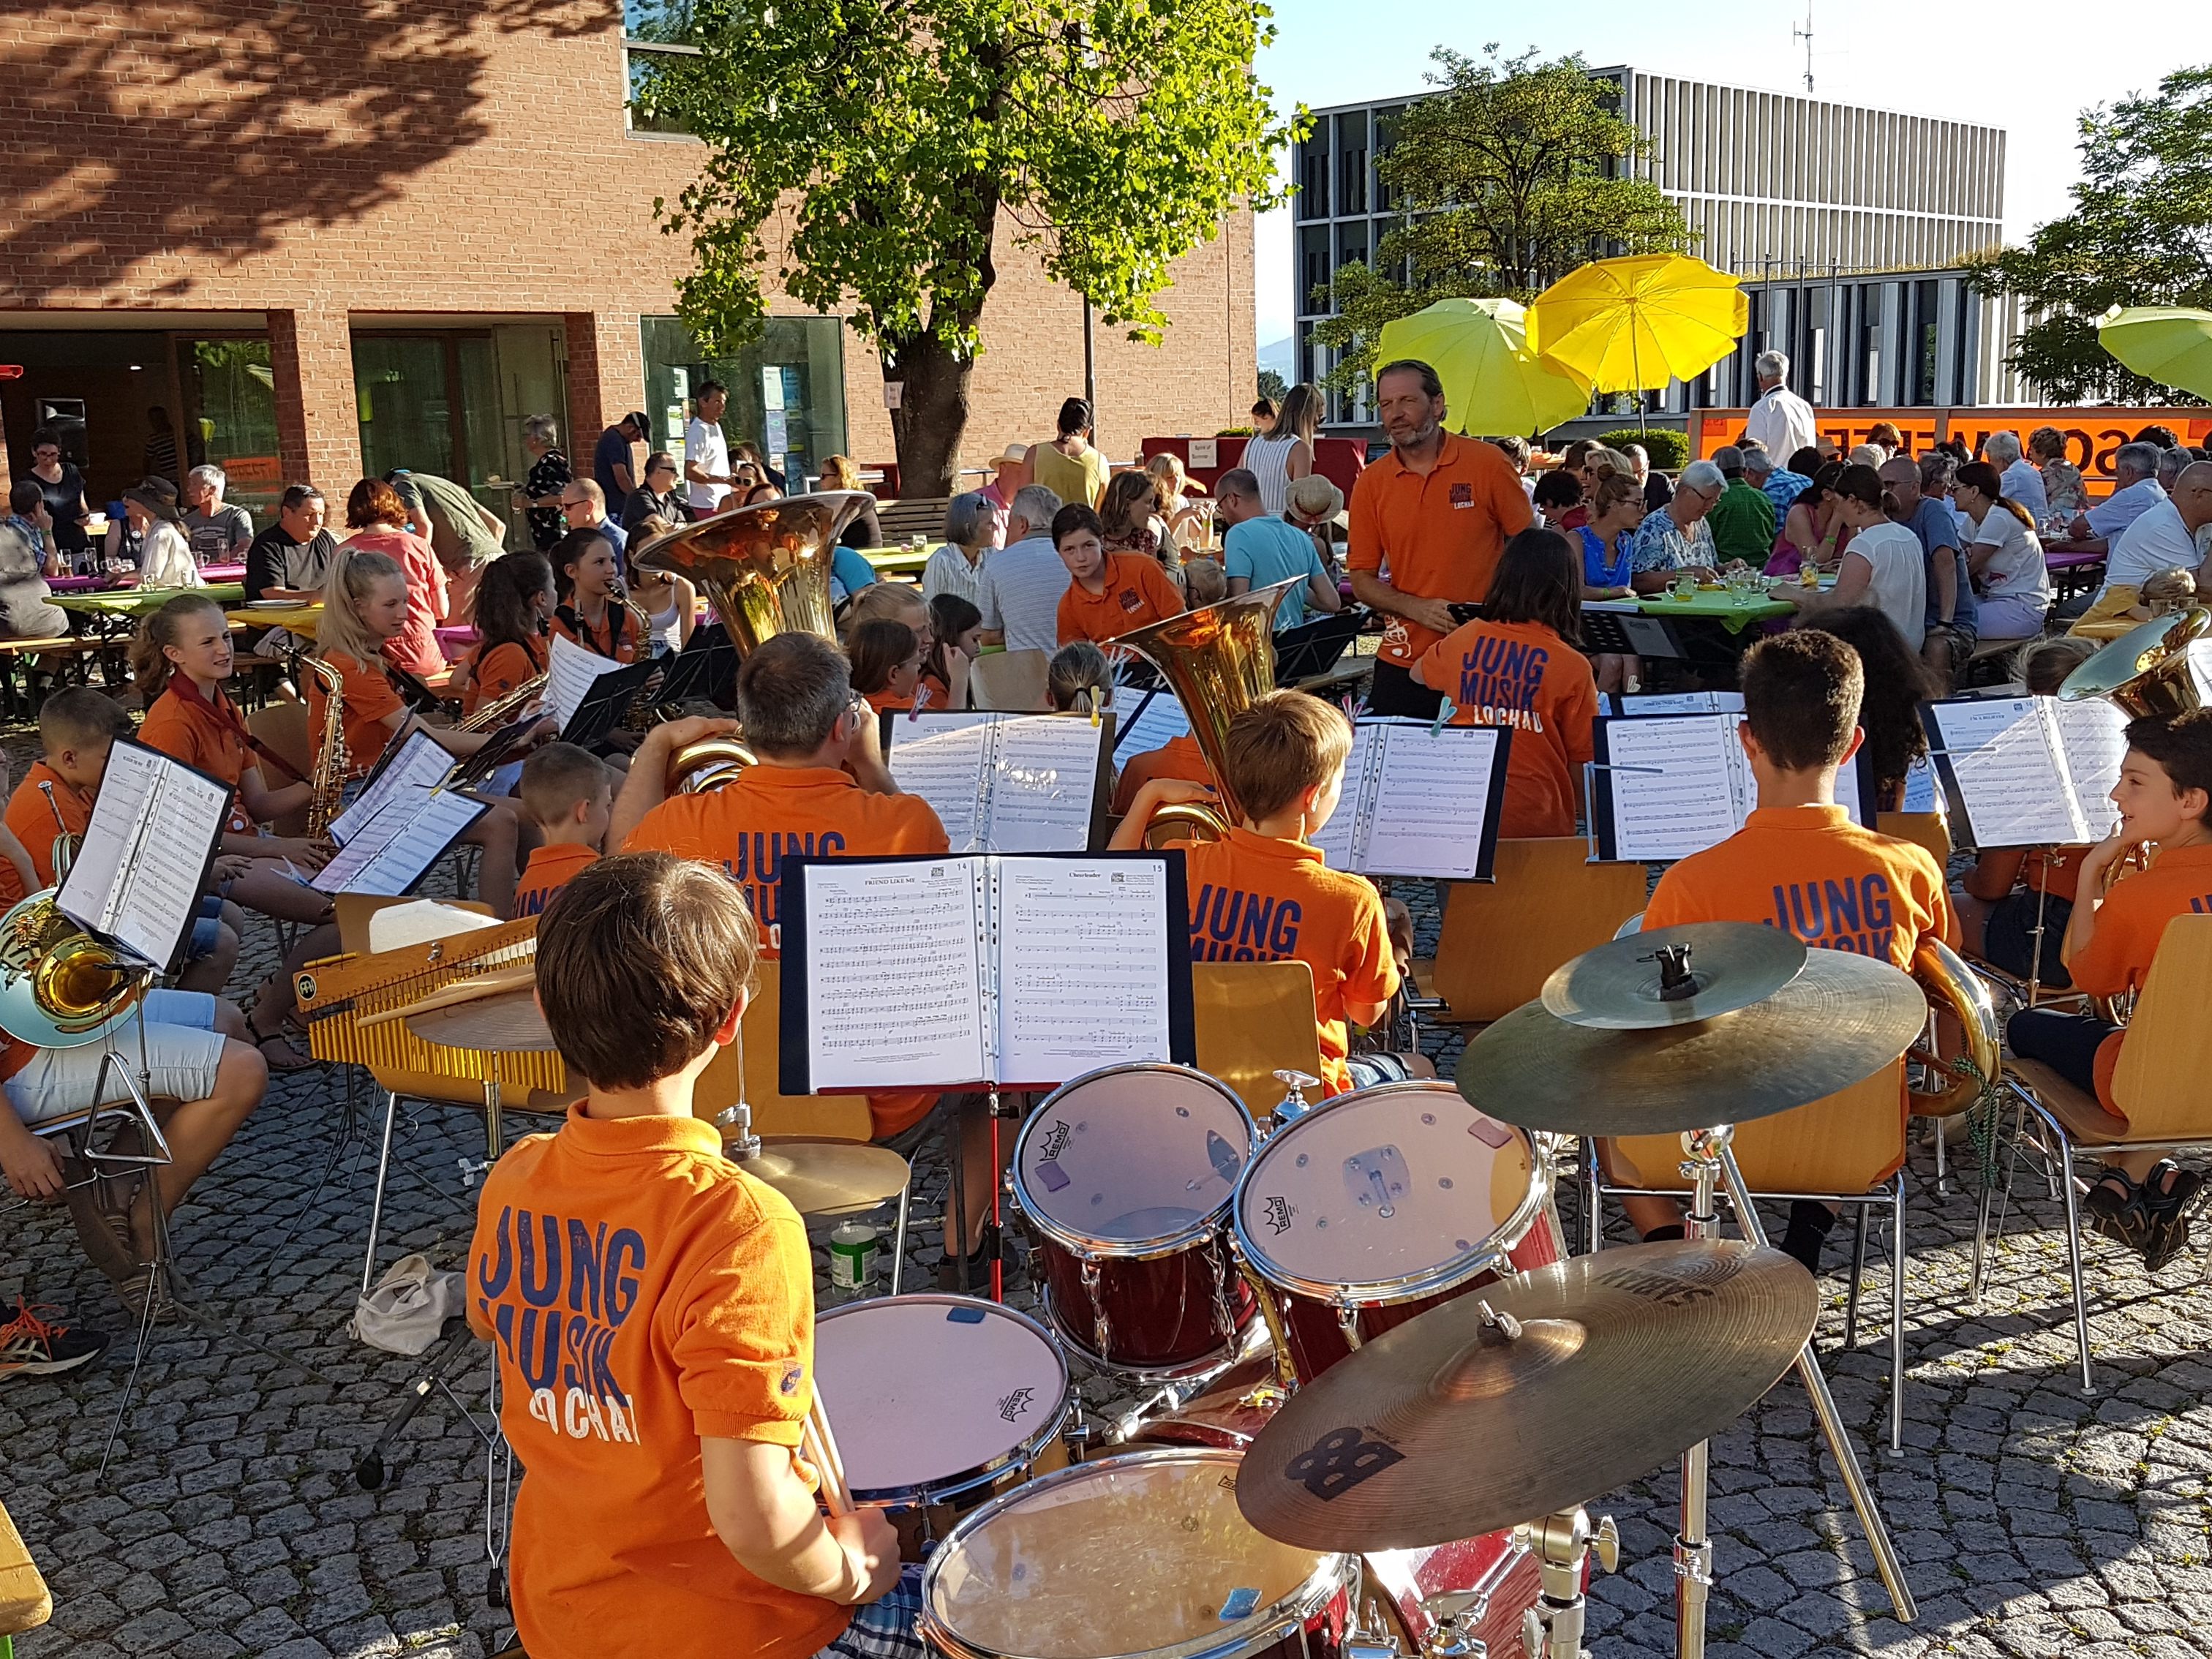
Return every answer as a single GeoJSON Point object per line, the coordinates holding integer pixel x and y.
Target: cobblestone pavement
{"type": "Point", "coordinates": [2034, 1520]}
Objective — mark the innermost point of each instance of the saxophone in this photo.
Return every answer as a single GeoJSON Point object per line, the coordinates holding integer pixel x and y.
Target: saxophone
{"type": "Point", "coordinates": [494, 714]}
{"type": "Point", "coordinates": [331, 761]}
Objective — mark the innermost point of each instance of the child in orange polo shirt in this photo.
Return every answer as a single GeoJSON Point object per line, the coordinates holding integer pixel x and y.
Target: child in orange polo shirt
{"type": "Point", "coordinates": [1112, 594]}
{"type": "Point", "coordinates": [567, 791]}
{"type": "Point", "coordinates": [2164, 797]}
{"type": "Point", "coordinates": [886, 662]}
{"type": "Point", "coordinates": [514, 603]}
{"type": "Point", "coordinates": [591, 612]}
{"type": "Point", "coordinates": [805, 726]}
{"type": "Point", "coordinates": [1264, 894]}
{"type": "Point", "coordinates": [1518, 666]}
{"type": "Point", "coordinates": [1799, 863]}
{"type": "Point", "coordinates": [651, 1306]}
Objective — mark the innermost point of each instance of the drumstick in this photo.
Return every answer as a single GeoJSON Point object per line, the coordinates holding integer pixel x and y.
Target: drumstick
{"type": "Point", "coordinates": [820, 1446]}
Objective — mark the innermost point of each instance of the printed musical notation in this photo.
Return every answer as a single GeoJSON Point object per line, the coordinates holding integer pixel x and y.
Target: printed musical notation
{"type": "Point", "coordinates": [2093, 736]}
{"type": "Point", "coordinates": [1082, 977]}
{"type": "Point", "coordinates": [388, 854]}
{"type": "Point", "coordinates": [137, 877]}
{"type": "Point", "coordinates": [1675, 784]}
{"type": "Point", "coordinates": [570, 670]}
{"type": "Point", "coordinates": [419, 762]}
{"type": "Point", "coordinates": [1002, 783]}
{"type": "Point", "coordinates": [1646, 704]}
{"type": "Point", "coordinates": [2004, 761]}
{"type": "Point", "coordinates": [895, 979]}
{"type": "Point", "coordinates": [943, 762]}
{"type": "Point", "coordinates": [1426, 812]}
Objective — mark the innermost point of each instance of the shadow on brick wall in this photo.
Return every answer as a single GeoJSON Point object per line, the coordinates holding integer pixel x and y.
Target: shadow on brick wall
{"type": "Point", "coordinates": [209, 129]}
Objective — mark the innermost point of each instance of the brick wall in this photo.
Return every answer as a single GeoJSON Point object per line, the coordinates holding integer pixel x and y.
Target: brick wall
{"type": "Point", "coordinates": [315, 159]}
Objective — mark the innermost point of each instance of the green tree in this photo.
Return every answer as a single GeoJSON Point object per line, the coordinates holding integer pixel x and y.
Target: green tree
{"type": "Point", "coordinates": [880, 162]}
{"type": "Point", "coordinates": [2139, 235]}
{"type": "Point", "coordinates": [1506, 177]}
{"type": "Point", "coordinates": [1272, 384]}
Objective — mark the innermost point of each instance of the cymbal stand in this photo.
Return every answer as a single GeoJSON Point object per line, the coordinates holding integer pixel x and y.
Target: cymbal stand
{"type": "Point", "coordinates": [1708, 1161]}
{"type": "Point", "coordinates": [1553, 1629]}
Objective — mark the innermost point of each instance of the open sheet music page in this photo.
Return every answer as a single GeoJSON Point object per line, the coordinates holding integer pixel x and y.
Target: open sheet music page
{"type": "Point", "coordinates": [2093, 736]}
{"type": "Point", "coordinates": [1429, 803]}
{"type": "Point", "coordinates": [137, 877]}
{"type": "Point", "coordinates": [1083, 965]}
{"type": "Point", "coordinates": [2001, 755]}
{"type": "Point", "coordinates": [941, 757]}
{"type": "Point", "coordinates": [1338, 838]}
{"type": "Point", "coordinates": [389, 853]}
{"type": "Point", "coordinates": [1150, 719]}
{"type": "Point", "coordinates": [1675, 786]}
{"type": "Point", "coordinates": [1045, 784]}
{"type": "Point", "coordinates": [893, 963]}
{"type": "Point", "coordinates": [570, 670]}
{"type": "Point", "coordinates": [1921, 795]}
{"type": "Point", "coordinates": [421, 763]}
{"type": "Point", "coordinates": [1677, 702]}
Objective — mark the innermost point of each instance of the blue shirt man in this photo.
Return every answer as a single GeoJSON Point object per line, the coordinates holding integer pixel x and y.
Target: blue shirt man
{"type": "Point", "coordinates": [1931, 521]}
{"type": "Point", "coordinates": [1264, 551]}
{"type": "Point", "coordinates": [613, 451]}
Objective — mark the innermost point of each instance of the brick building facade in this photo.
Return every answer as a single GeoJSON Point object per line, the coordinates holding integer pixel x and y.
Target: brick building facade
{"type": "Point", "coordinates": [438, 174]}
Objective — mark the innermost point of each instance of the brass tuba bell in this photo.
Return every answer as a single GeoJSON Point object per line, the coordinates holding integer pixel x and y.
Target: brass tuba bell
{"type": "Point", "coordinates": [59, 986]}
{"type": "Point", "coordinates": [766, 566]}
{"type": "Point", "coordinates": [2147, 670]}
{"type": "Point", "coordinates": [1219, 659]}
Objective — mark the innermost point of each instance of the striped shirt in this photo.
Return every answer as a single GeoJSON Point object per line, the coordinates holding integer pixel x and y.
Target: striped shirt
{"type": "Point", "coordinates": [1020, 594]}
{"type": "Point", "coordinates": [949, 572]}
{"type": "Point", "coordinates": [1268, 460]}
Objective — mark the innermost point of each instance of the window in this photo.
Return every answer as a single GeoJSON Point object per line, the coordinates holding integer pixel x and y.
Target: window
{"type": "Point", "coordinates": [656, 37]}
{"type": "Point", "coordinates": [1313, 182]}
{"type": "Point", "coordinates": [787, 389]}
{"type": "Point", "coordinates": [1352, 179]}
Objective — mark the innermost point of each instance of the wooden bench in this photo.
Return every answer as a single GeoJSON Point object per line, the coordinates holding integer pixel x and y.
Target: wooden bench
{"type": "Point", "coordinates": [1990, 655]}
{"type": "Point", "coordinates": [913, 515]}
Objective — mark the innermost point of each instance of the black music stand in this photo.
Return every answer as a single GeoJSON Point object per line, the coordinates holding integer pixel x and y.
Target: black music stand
{"type": "Point", "coordinates": [1312, 649]}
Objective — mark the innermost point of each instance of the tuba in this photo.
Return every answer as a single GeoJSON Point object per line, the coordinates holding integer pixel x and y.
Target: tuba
{"type": "Point", "coordinates": [1220, 660]}
{"type": "Point", "coordinates": [1954, 988]}
{"type": "Point", "coordinates": [60, 987]}
{"type": "Point", "coordinates": [331, 761]}
{"type": "Point", "coordinates": [2147, 670]}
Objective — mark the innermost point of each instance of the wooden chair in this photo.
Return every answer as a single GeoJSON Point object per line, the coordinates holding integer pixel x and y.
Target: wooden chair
{"type": "Point", "coordinates": [1254, 1019]}
{"type": "Point", "coordinates": [24, 1601]}
{"type": "Point", "coordinates": [1930, 829]}
{"type": "Point", "coordinates": [1502, 939]}
{"type": "Point", "coordinates": [2158, 1087]}
{"type": "Point", "coordinates": [1847, 1148]}
{"type": "Point", "coordinates": [1011, 680]}
{"type": "Point", "coordinates": [283, 726]}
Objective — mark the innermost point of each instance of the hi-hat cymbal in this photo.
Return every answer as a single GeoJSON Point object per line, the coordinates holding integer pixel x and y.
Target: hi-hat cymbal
{"type": "Point", "coordinates": [1673, 975]}
{"type": "Point", "coordinates": [503, 1022]}
{"type": "Point", "coordinates": [1844, 1018]}
{"type": "Point", "coordinates": [821, 1177]}
{"type": "Point", "coordinates": [1599, 1370]}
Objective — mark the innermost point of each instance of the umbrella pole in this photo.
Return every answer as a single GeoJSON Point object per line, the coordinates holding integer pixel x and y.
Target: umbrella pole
{"type": "Point", "coordinates": [1635, 368]}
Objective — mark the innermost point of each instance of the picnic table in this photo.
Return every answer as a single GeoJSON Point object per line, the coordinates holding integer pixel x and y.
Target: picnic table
{"type": "Point", "coordinates": [896, 561]}
{"type": "Point", "coordinates": [24, 1602]}
{"type": "Point", "coordinates": [2076, 565]}
{"type": "Point", "coordinates": [115, 612]}
{"type": "Point", "coordinates": [1735, 611]}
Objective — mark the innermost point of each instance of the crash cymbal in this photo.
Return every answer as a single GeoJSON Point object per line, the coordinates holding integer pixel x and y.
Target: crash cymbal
{"type": "Point", "coordinates": [821, 1177]}
{"type": "Point", "coordinates": [506, 1022]}
{"type": "Point", "coordinates": [1597, 1370]}
{"type": "Point", "coordinates": [1844, 1018]}
{"type": "Point", "coordinates": [1673, 975]}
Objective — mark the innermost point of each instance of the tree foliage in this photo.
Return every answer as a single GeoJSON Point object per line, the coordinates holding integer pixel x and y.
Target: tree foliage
{"type": "Point", "coordinates": [867, 158]}
{"type": "Point", "coordinates": [1509, 176]}
{"type": "Point", "coordinates": [1272, 384]}
{"type": "Point", "coordinates": [2139, 235]}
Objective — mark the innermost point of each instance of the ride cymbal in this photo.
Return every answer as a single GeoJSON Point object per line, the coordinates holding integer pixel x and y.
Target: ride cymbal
{"type": "Point", "coordinates": [1844, 1018]}
{"type": "Point", "coordinates": [1584, 1374]}
{"type": "Point", "coordinates": [821, 1177]}
{"type": "Point", "coordinates": [1673, 975]}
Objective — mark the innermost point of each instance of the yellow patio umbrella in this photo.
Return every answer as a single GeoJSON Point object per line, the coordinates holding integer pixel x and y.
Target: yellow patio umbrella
{"type": "Point", "coordinates": [1493, 382]}
{"type": "Point", "coordinates": [1633, 324]}
{"type": "Point", "coordinates": [2171, 344]}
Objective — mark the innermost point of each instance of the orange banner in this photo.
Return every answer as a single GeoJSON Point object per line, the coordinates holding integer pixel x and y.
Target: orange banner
{"type": "Point", "coordinates": [2092, 435]}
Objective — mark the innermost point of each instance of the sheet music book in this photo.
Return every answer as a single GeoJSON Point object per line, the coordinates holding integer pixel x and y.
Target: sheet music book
{"type": "Point", "coordinates": [1675, 702]}
{"type": "Point", "coordinates": [138, 873]}
{"type": "Point", "coordinates": [2028, 771]}
{"type": "Point", "coordinates": [388, 854]}
{"type": "Point", "coordinates": [1418, 801]}
{"type": "Point", "coordinates": [1152, 718]}
{"type": "Point", "coordinates": [570, 670]}
{"type": "Point", "coordinates": [1005, 783]}
{"type": "Point", "coordinates": [1672, 785]}
{"type": "Point", "coordinates": [418, 760]}
{"type": "Point", "coordinates": [1020, 971]}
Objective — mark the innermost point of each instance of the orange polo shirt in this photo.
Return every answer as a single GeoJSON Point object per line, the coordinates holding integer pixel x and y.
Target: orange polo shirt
{"type": "Point", "coordinates": [14, 1053]}
{"type": "Point", "coordinates": [1812, 871]}
{"type": "Point", "coordinates": [1256, 898]}
{"type": "Point", "coordinates": [552, 867]}
{"type": "Point", "coordinates": [641, 1294]}
{"type": "Point", "coordinates": [1137, 592]}
{"type": "Point", "coordinates": [2129, 924]}
{"type": "Point", "coordinates": [33, 820]}
{"type": "Point", "coordinates": [1440, 533]}
{"type": "Point", "coordinates": [370, 699]}
{"type": "Point", "coordinates": [1178, 758]}
{"type": "Point", "coordinates": [185, 728]}
{"type": "Point", "coordinates": [494, 674]}
{"type": "Point", "coordinates": [890, 701]}
{"type": "Point", "coordinates": [773, 811]}
{"type": "Point", "coordinates": [1523, 676]}
{"type": "Point", "coordinates": [615, 637]}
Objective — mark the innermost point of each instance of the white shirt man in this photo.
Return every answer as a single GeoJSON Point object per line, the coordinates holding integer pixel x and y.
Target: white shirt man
{"type": "Point", "coordinates": [1024, 580]}
{"type": "Point", "coordinates": [2108, 517]}
{"type": "Point", "coordinates": [1781, 419]}
{"type": "Point", "coordinates": [2158, 540]}
{"type": "Point", "coordinates": [707, 453]}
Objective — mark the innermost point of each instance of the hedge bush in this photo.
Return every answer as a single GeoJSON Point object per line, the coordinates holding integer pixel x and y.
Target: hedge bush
{"type": "Point", "coordinates": [1669, 450]}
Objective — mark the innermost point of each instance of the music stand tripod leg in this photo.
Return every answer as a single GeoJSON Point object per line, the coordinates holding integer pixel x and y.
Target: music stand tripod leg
{"type": "Point", "coordinates": [1693, 1551]}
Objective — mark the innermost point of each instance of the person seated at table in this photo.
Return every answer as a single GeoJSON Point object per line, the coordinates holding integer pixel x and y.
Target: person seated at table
{"type": "Point", "coordinates": [179, 659]}
{"type": "Point", "coordinates": [218, 532]}
{"type": "Point", "coordinates": [1812, 531]}
{"type": "Point", "coordinates": [866, 530]}
{"type": "Point", "coordinates": [27, 610]}
{"type": "Point", "coordinates": [567, 793]}
{"type": "Point", "coordinates": [364, 606]}
{"type": "Point", "coordinates": [1802, 692]}
{"type": "Point", "coordinates": [886, 662]}
{"type": "Point", "coordinates": [1897, 682]}
{"type": "Point", "coordinates": [165, 557]}
{"type": "Point", "coordinates": [1516, 665]}
{"type": "Point", "coordinates": [1109, 594]}
{"type": "Point", "coordinates": [589, 609]}
{"type": "Point", "coordinates": [2121, 606]}
{"type": "Point", "coordinates": [1557, 493]}
{"type": "Point", "coordinates": [287, 561]}
{"type": "Point", "coordinates": [1129, 512]}
{"type": "Point", "coordinates": [2165, 798]}
{"type": "Point", "coordinates": [1678, 538]}
{"type": "Point", "coordinates": [954, 625]}
{"type": "Point", "coordinates": [378, 519]}
{"type": "Point", "coordinates": [2135, 490]}
{"type": "Point", "coordinates": [514, 603]}
{"type": "Point", "coordinates": [1259, 551]}
{"type": "Point", "coordinates": [2016, 896]}
{"type": "Point", "coordinates": [1882, 566]}
{"type": "Point", "coordinates": [672, 1514]}
{"type": "Point", "coordinates": [1607, 540]}
{"type": "Point", "coordinates": [2012, 587]}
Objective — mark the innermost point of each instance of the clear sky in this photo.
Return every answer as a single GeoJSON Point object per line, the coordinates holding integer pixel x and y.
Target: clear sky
{"type": "Point", "coordinates": [1969, 63]}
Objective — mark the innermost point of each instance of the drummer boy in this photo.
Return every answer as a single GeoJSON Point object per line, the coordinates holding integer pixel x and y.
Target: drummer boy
{"type": "Point", "coordinates": [652, 1310]}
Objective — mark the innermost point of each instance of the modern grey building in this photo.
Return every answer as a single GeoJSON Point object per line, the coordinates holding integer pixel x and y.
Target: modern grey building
{"type": "Point", "coordinates": [1779, 185]}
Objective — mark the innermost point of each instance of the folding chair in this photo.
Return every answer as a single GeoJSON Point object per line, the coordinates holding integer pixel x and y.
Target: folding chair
{"type": "Point", "coordinates": [1502, 939]}
{"type": "Point", "coordinates": [1254, 1021]}
{"type": "Point", "coordinates": [1012, 680]}
{"type": "Point", "coordinates": [2159, 1087]}
{"type": "Point", "coordinates": [1847, 1148]}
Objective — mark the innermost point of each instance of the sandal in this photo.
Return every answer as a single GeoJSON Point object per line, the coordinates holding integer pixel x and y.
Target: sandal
{"type": "Point", "coordinates": [2115, 1209]}
{"type": "Point", "coordinates": [287, 1059]}
{"type": "Point", "coordinates": [2168, 1192]}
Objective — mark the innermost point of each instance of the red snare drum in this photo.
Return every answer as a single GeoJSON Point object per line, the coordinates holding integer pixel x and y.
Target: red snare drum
{"type": "Point", "coordinates": [1376, 1205]}
{"type": "Point", "coordinates": [1141, 1554]}
{"type": "Point", "coordinates": [1126, 1176]}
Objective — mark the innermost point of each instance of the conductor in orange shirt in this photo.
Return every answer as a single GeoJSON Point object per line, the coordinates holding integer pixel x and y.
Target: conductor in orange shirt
{"type": "Point", "coordinates": [1429, 521]}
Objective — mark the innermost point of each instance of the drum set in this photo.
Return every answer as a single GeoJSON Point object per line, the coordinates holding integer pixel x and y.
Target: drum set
{"type": "Point", "coordinates": [1381, 1389]}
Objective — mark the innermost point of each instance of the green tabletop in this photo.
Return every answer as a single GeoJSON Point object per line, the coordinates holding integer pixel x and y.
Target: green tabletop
{"type": "Point", "coordinates": [896, 561]}
{"type": "Point", "coordinates": [142, 601]}
{"type": "Point", "coordinates": [1733, 611]}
